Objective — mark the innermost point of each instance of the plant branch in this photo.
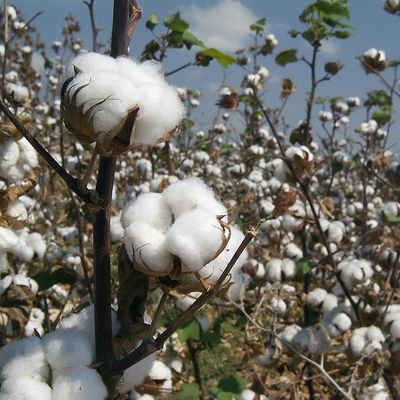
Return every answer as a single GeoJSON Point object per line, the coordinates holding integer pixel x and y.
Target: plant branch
{"type": "Point", "coordinates": [95, 31]}
{"type": "Point", "coordinates": [178, 69]}
{"type": "Point", "coordinates": [71, 182]}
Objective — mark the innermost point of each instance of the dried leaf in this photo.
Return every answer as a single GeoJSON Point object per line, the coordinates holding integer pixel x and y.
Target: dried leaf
{"type": "Point", "coordinates": [284, 200]}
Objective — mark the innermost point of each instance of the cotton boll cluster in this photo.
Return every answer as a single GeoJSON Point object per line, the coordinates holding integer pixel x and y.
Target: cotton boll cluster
{"type": "Point", "coordinates": [17, 158]}
{"type": "Point", "coordinates": [366, 340]}
{"type": "Point", "coordinates": [337, 321]}
{"type": "Point", "coordinates": [185, 220]}
{"type": "Point", "coordinates": [320, 299]}
{"type": "Point", "coordinates": [373, 60]}
{"type": "Point", "coordinates": [277, 270]}
{"type": "Point", "coordinates": [355, 272]}
{"type": "Point", "coordinates": [118, 103]}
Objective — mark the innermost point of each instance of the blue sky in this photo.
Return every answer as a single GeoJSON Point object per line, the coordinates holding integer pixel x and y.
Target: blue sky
{"type": "Point", "coordinates": [223, 24]}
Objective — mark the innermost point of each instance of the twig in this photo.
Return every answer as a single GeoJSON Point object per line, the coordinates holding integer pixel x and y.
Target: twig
{"type": "Point", "coordinates": [92, 24]}
{"type": "Point", "coordinates": [71, 182]}
{"type": "Point", "coordinates": [147, 348]}
{"type": "Point", "coordinates": [178, 69]}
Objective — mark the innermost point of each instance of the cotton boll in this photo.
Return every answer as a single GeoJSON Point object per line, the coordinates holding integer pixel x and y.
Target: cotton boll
{"type": "Point", "coordinates": [25, 388]}
{"type": "Point", "coordinates": [195, 237]}
{"type": "Point", "coordinates": [8, 239]}
{"type": "Point", "coordinates": [176, 365]}
{"type": "Point", "coordinates": [159, 371]}
{"type": "Point", "coordinates": [278, 306]}
{"type": "Point", "coordinates": [190, 193]}
{"type": "Point", "coordinates": [146, 72]}
{"type": "Point", "coordinates": [37, 243]}
{"type": "Point", "coordinates": [247, 394]}
{"type": "Point", "coordinates": [395, 329]}
{"type": "Point", "coordinates": [316, 297]}
{"type": "Point", "coordinates": [22, 280]}
{"type": "Point", "coordinates": [273, 270]}
{"type": "Point", "coordinates": [291, 224]}
{"type": "Point", "coordinates": [288, 268]}
{"type": "Point", "coordinates": [24, 358]}
{"type": "Point", "coordinates": [67, 348]}
{"type": "Point", "coordinates": [335, 232]}
{"type": "Point", "coordinates": [149, 247]}
{"type": "Point", "coordinates": [289, 333]}
{"type": "Point", "coordinates": [136, 374]}
{"type": "Point", "coordinates": [151, 208]}
{"type": "Point", "coordinates": [341, 322]}
{"type": "Point", "coordinates": [80, 383]}
{"type": "Point", "coordinates": [329, 303]}
{"type": "Point", "coordinates": [293, 251]}
{"type": "Point", "coordinates": [374, 333]}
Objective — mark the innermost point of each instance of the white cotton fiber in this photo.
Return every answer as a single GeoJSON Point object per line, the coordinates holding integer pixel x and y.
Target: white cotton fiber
{"type": "Point", "coordinates": [160, 111]}
{"type": "Point", "coordinates": [28, 155]}
{"type": "Point", "coordinates": [5, 283]}
{"type": "Point", "coordinates": [37, 243]}
{"type": "Point", "coordinates": [17, 210]}
{"type": "Point", "coordinates": [9, 154]}
{"type": "Point", "coordinates": [24, 388]}
{"type": "Point", "coordinates": [116, 229]}
{"type": "Point", "coordinates": [273, 270]}
{"type": "Point", "coordinates": [8, 239]}
{"type": "Point", "coordinates": [190, 193]}
{"type": "Point", "coordinates": [25, 357]}
{"type": "Point", "coordinates": [67, 348]}
{"type": "Point", "coordinates": [148, 247]}
{"type": "Point", "coordinates": [136, 374]}
{"type": "Point", "coordinates": [159, 371]}
{"type": "Point", "coordinates": [90, 62]}
{"type": "Point", "coordinates": [148, 207]}
{"type": "Point", "coordinates": [147, 72]}
{"type": "Point", "coordinates": [195, 238]}
{"type": "Point", "coordinates": [80, 383]}
{"type": "Point", "coordinates": [213, 270]}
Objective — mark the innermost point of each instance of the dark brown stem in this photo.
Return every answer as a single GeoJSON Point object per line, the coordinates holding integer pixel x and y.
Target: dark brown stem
{"type": "Point", "coordinates": [193, 351]}
{"type": "Point", "coordinates": [147, 348]}
{"type": "Point", "coordinates": [71, 182]}
{"type": "Point", "coordinates": [178, 69]}
{"type": "Point", "coordinates": [101, 227]}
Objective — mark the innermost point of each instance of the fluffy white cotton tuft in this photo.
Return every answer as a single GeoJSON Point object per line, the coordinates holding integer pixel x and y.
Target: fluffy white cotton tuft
{"type": "Point", "coordinates": [67, 348]}
{"type": "Point", "coordinates": [80, 383]}
{"type": "Point", "coordinates": [195, 238]}
{"type": "Point", "coordinates": [148, 247]}
{"type": "Point", "coordinates": [148, 207]}
{"type": "Point", "coordinates": [25, 357]}
{"type": "Point", "coordinates": [183, 196]}
{"type": "Point", "coordinates": [24, 388]}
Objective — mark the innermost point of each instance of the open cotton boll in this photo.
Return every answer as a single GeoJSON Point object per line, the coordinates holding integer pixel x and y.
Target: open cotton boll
{"type": "Point", "coordinates": [213, 270]}
{"type": "Point", "coordinates": [149, 247]}
{"type": "Point", "coordinates": [316, 297]}
{"type": "Point", "coordinates": [67, 348]}
{"type": "Point", "coordinates": [17, 210]}
{"type": "Point", "coordinates": [80, 383]}
{"type": "Point", "coordinates": [37, 243]}
{"type": "Point", "coordinates": [148, 207]}
{"type": "Point", "coordinates": [195, 237]}
{"type": "Point", "coordinates": [5, 283]}
{"type": "Point", "coordinates": [273, 270]}
{"type": "Point", "coordinates": [160, 111]}
{"type": "Point", "coordinates": [159, 371]}
{"type": "Point", "coordinates": [25, 388]}
{"type": "Point", "coordinates": [25, 357]}
{"type": "Point", "coordinates": [8, 239]}
{"type": "Point", "coordinates": [136, 374]}
{"type": "Point", "coordinates": [190, 193]}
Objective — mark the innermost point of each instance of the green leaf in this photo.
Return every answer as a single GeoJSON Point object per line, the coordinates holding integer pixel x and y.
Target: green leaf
{"type": "Point", "coordinates": [47, 277]}
{"type": "Point", "coordinates": [393, 219]}
{"type": "Point", "coordinates": [176, 23]}
{"type": "Point", "coordinates": [293, 33]}
{"type": "Point", "coordinates": [223, 59]}
{"type": "Point", "coordinates": [259, 25]}
{"type": "Point", "coordinates": [191, 330]}
{"type": "Point", "coordinates": [342, 34]}
{"type": "Point", "coordinates": [286, 57]}
{"type": "Point", "coordinates": [304, 266]}
{"type": "Point", "coordinates": [228, 387]}
{"type": "Point", "coordinates": [333, 7]}
{"type": "Point", "coordinates": [189, 391]}
{"type": "Point", "coordinates": [152, 22]}
{"type": "Point", "coordinates": [191, 40]}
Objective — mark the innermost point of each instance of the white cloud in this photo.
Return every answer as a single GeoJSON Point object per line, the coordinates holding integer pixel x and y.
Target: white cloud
{"type": "Point", "coordinates": [224, 25]}
{"type": "Point", "coordinates": [329, 47]}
